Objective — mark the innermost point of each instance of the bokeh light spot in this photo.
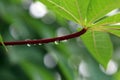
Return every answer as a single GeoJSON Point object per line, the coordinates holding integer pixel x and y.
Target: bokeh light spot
{"type": "Point", "coordinates": [38, 9]}
{"type": "Point", "coordinates": [111, 68]}
{"type": "Point", "coordinates": [49, 61]}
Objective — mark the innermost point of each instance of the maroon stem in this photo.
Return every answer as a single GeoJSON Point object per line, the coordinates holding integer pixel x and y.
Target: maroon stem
{"type": "Point", "coordinates": [42, 41]}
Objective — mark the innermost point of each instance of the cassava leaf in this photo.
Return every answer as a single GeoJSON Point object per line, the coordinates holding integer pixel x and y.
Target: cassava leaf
{"type": "Point", "coordinates": [99, 44]}
{"type": "Point", "coordinates": [115, 30]}
{"type": "Point", "coordinates": [110, 20]}
{"type": "Point", "coordinates": [81, 10]}
{"type": "Point", "coordinates": [85, 13]}
{"type": "Point", "coordinates": [74, 10]}
{"type": "Point", "coordinates": [99, 8]}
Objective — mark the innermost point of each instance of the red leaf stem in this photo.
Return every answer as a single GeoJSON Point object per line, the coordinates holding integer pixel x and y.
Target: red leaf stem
{"type": "Point", "coordinates": [47, 40]}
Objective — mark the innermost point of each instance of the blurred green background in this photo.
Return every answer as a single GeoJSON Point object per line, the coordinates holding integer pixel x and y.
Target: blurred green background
{"type": "Point", "coordinates": [68, 60]}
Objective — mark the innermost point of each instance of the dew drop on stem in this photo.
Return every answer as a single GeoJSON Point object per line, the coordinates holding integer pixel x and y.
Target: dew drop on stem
{"type": "Point", "coordinates": [64, 40]}
{"type": "Point", "coordinates": [39, 44]}
{"type": "Point", "coordinates": [56, 42]}
{"type": "Point", "coordinates": [28, 45]}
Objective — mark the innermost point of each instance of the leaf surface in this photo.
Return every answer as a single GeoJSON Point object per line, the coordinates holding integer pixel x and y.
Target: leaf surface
{"type": "Point", "coordinates": [74, 10]}
{"type": "Point", "coordinates": [110, 19]}
{"type": "Point", "coordinates": [115, 30]}
{"type": "Point", "coordinates": [99, 8]}
{"type": "Point", "coordinates": [99, 44]}
{"type": "Point", "coordinates": [86, 13]}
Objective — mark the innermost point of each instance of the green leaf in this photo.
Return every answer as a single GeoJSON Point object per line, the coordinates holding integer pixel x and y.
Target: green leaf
{"type": "Point", "coordinates": [109, 20]}
{"type": "Point", "coordinates": [100, 46]}
{"type": "Point", "coordinates": [86, 13]}
{"type": "Point", "coordinates": [99, 8]}
{"type": "Point", "coordinates": [74, 10]}
{"type": "Point", "coordinates": [82, 10]}
{"type": "Point", "coordinates": [117, 75]}
{"type": "Point", "coordinates": [1, 40]}
{"type": "Point", "coordinates": [115, 30]}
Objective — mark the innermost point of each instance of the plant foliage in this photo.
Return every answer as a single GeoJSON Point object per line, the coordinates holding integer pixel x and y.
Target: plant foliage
{"type": "Point", "coordinates": [89, 13]}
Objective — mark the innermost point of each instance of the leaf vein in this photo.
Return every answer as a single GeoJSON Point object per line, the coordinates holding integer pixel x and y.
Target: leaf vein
{"type": "Point", "coordinates": [68, 12]}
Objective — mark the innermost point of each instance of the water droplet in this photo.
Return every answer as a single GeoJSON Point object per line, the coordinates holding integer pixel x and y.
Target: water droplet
{"type": "Point", "coordinates": [39, 44]}
{"type": "Point", "coordinates": [56, 42]}
{"type": "Point", "coordinates": [28, 45]}
{"type": "Point", "coordinates": [64, 40]}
